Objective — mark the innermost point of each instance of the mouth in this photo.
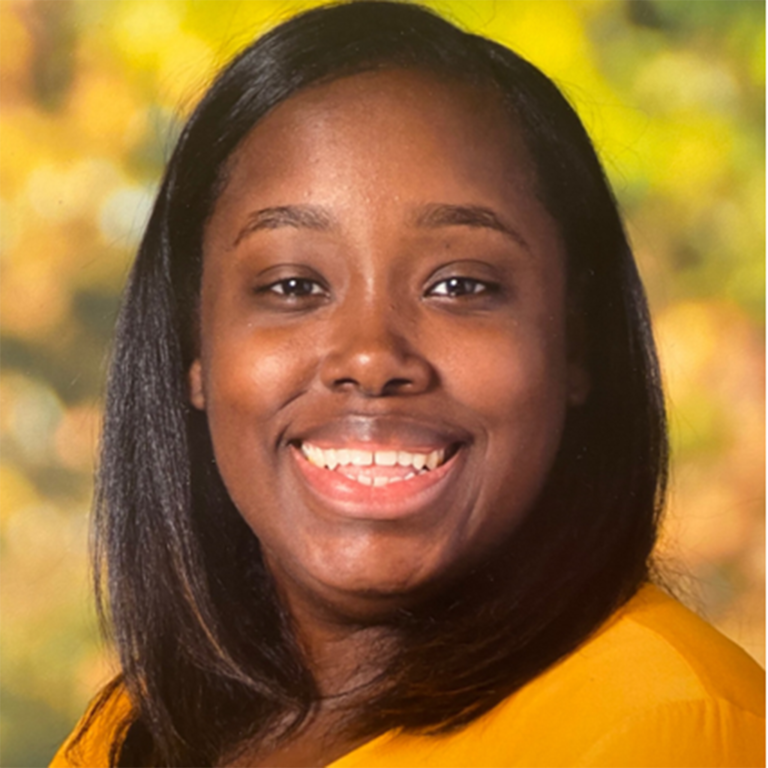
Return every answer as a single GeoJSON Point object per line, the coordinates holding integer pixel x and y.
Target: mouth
{"type": "Point", "coordinates": [376, 482]}
{"type": "Point", "coordinates": [377, 468]}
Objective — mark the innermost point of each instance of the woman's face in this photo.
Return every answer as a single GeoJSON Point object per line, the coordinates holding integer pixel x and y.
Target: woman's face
{"type": "Point", "coordinates": [383, 358]}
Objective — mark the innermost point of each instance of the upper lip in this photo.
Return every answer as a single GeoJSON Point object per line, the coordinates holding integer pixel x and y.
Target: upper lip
{"type": "Point", "coordinates": [381, 431]}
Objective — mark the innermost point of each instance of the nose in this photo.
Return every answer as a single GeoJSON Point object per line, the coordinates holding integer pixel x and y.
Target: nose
{"type": "Point", "coordinates": [375, 354]}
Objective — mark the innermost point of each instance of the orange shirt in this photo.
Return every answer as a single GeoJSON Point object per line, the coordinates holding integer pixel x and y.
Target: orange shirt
{"type": "Point", "coordinates": [656, 686]}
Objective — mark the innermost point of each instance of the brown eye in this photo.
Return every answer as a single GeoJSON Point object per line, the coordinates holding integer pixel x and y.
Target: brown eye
{"type": "Point", "coordinates": [455, 287]}
{"type": "Point", "coordinates": [296, 287]}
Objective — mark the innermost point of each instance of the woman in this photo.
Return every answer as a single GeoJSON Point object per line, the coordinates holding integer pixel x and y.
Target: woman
{"type": "Point", "coordinates": [385, 451]}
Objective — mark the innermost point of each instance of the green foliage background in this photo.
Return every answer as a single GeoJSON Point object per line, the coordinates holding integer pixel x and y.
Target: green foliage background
{"type": "Point", "coordinates": [671, 90]}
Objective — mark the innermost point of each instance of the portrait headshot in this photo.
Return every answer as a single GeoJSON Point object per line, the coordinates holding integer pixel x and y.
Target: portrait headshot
{"type": "Point", "coordinates": [382, 383]}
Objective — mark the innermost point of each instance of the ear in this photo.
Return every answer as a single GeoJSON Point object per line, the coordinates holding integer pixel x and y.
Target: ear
{"type": "Point", "coordinates": [195, 380]}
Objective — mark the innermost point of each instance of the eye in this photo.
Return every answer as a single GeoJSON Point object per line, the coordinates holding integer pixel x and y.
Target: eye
{"type": "Point", "coordinates": [455, 287]}
{"type": "Point", "coordinates": [296, 288]}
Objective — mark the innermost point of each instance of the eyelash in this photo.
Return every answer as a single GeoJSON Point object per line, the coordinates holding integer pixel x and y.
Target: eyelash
{"type": "Point", "coordinates": [455, 287]}
{"type": "Point", "coordinates": [290, 285]}
{"type": "Point", "coordinates": [296, 288]}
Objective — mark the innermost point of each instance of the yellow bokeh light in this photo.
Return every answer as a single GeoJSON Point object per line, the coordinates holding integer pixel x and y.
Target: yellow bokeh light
{"type": "Point", "coordinates": [34, 300]}
{"type": "Point", "coordinates": [16, 491]}
{"type": "Point", "coordinates": [142, 30]}
{"type": "Point", "coordinates": [102, 108]}
{"type": "Point", "coordinates": [15, 51]}
{"type": "Point", "coordinates": [61, 192]}
{"type": "Point", "coordinates": [184, 69]}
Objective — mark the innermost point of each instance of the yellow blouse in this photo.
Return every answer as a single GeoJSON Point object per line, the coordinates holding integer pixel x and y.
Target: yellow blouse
{"type": "Point", "coordinates": [656, 686]}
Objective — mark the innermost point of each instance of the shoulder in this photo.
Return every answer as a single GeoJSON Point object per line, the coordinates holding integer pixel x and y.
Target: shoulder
{"type": "Point", "coordinates": [654, 650]}
{"type": "Point", "coordinates": [103, 723]}
{"type": "Point", "coordinates": [655, 686]}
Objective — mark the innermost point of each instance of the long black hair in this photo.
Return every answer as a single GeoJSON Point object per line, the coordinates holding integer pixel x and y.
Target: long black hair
{"type": "Point", "coordinates": [207, 652]}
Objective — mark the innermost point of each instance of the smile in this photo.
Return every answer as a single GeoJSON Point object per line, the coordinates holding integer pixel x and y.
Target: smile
{"type": "Point", "coordinates": [378, 482]}
{"type": "Point", "coordinates": [375, 468]}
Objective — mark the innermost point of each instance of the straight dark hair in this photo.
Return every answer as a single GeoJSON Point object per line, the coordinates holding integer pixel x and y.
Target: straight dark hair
{"type": "Point", "coordinates": [208, 655]}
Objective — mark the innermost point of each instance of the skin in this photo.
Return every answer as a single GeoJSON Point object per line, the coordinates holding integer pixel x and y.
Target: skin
{"type": "Point", "coordinates": [407, 325]}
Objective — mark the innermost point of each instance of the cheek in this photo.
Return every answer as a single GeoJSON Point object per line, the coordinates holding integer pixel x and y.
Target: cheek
{"type": "Point", "coordinates": [248, 379]}
{"type": "Point", "coordinates": [255, 374]}
{"type": "Point", "coordinates": [515, 373]}
{"type": "Point", "coordinates": [514, 385]}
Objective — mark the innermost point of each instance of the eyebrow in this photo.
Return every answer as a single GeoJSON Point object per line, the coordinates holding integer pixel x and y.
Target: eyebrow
{"type": "Point", "coordinates": [430, 216]}
{"type": "Point", "coordinates": [438, 215]}
{"type": "Point", "coordinates": [296, 216]}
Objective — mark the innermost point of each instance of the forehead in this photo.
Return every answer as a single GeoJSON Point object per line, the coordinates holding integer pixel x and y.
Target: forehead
{"type": "Point", "coordinates": [372, 149]}
{"type": "Point", "coordinates": [390, 96]}
{"type": "Point", "coordinates": [395, 120]}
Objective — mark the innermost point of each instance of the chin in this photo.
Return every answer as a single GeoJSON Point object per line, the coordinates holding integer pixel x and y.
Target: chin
{"type": "Point", "coordinates": [360, 591]}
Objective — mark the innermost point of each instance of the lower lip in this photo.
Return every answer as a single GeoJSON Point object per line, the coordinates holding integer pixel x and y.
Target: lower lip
{"type": "Point", "coordinates": [393, 501]}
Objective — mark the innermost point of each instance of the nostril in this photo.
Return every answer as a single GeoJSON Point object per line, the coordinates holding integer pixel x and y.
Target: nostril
{"type": "Point", "coordinates": [375, 371]}
{"type": "Point", "coordinates": [347, 384]}
{"type": "Point", "coordinates": [390, 387]}
{"type": "Point", "coordinates": [394, 385]}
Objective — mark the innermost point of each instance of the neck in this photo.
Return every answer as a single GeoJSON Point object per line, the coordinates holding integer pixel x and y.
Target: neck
{"type": "Point", "coordinates": [346, 657]}
{"type": "Point", "coordinates": [347, 640]}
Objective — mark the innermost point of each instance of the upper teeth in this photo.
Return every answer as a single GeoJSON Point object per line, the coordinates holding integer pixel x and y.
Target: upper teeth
{"type": "Point", "coordinates": [330, 458]}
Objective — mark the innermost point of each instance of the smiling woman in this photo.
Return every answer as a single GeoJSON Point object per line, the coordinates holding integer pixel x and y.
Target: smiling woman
{"type": "Point", "coordinates": [385, 448]}
{"type": "Point", "coordinates": [368, 324]}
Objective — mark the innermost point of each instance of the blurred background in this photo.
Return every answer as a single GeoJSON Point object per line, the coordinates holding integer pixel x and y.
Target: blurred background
{"type": "Point", "coordinates": [92, 94]}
